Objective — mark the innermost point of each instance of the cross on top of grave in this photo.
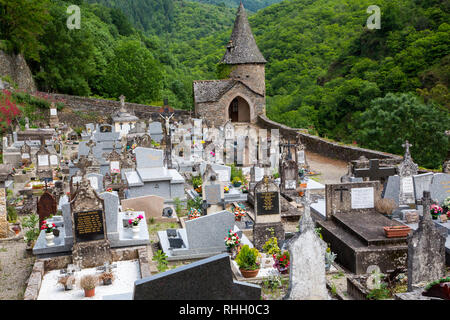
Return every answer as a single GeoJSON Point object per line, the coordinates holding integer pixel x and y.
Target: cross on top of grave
{"type": "Point", "coordinates": [375, 172]}
{"type": "Point", "coordinates": [288, 146]}
{"type": "Point", "coordinates": [107, 267]}
{"type": "Point", "coordinates": [407, 167]}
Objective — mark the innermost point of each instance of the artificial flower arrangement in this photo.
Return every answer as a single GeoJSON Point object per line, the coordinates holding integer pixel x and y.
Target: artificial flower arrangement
{"type": "Point", "coordinates": [109, 190]}
{"type": "Point", "coordinates": [239, 213]}
{"type": "Point", "coordinates": [282, 261]}
{"type": "Point", "coordinates": [446, 205]}
{"type": "Point", "coordinates": [194, 213]}
{"type": "Point", "coordinates": [198, 189]}
{"type": "Point", "coordinates": [135, 221]}
{"type": "Point", "coordinates": [436, 211]}
{"type": "Point", "coordinates": [47, 226]}
{"type": "Point", "coordinates": [226, 189]}
{"type": "Point", "coordinates": [133, 146]}
{"type": "Point", "coordinates": [232, 240]}
{"type": "Point", "coordinates": [244, 188]}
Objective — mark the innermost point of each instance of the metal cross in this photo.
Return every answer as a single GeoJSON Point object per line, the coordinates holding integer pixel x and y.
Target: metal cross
{"type": "Point", "coordinates": [374, 171]}
{"type": "Point", "coordinates": [341, 189]}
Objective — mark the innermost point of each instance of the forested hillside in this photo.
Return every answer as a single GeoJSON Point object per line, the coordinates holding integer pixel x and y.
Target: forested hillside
{"type": "Point", "coordinates": [326, 70]}
{"type": "Point", "coordinates": [251, 5]}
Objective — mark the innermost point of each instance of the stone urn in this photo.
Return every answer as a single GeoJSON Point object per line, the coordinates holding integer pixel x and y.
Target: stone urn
{"type": "Point", "coordinates": [49, 237]}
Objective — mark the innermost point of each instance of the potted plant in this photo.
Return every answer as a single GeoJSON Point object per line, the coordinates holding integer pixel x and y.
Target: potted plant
{"type": "Point", "coordinates": [88, 284]}
{"type": "Point", "coordinates": [67, 281]}
{"type": "Point", "coordinates": [435, 211]}
{"type": "Point", "coordinates": [48, 227]}
{"type": "Point", "coordinates": [446, 206]}
{"type": "Point", "coordinates": [244, 188]}
{"type": "Point", "coordinates": [247, 261]}
{"type": "Point", "coordinates": [385, 206]}
{"type": "Point", "coordinates": [236, 182]}
{"type": "Point", "coordinates": [232, 241]}
{"type": "Point", "coordinates": [238, 213]}
{"type": "Point", "coordinates": [226, 189]}
{"type": "Point", "coordinates": [282, 262]}
{"type": "Point", "coordinates": [106, 278]}
{"type": "Point", "coordinates": [134, 223]}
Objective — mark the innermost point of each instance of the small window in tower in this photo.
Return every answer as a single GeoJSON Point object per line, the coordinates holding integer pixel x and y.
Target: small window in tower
{"type": "Point", "coordinates": [247, 76]}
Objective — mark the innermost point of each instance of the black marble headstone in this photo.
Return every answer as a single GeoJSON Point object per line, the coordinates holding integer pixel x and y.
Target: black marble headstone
{"type": "Point", "coordinates": [89, 225]}
{"type": "Point", "coordinates": [183, 283]}
{"type": "Point", "coordinates": [175, 243]}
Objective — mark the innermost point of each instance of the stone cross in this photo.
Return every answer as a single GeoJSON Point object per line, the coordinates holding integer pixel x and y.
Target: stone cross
{"type": "Point", "coordinates": [374, 171]}
{"type": "Point", "coordinates": [406, 145]}
{"type": "Point", "coordinates": [122, 103]}
{"type": "Point", "coordinates": [83, 163]}
{"type": "Point", "coordinates": [288, 145]}
{"type": "Point", "coordinates": [107, 267]}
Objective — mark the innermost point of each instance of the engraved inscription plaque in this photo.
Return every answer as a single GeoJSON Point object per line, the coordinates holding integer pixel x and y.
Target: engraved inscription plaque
{"type": "Point", "coordinates": [89, 225]}
{"type": "Point", "coordinates": [267, 203]}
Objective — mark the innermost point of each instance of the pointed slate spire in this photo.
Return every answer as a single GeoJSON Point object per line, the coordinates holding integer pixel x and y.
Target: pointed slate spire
{"type": "Point", "coordinates": [242, 47]}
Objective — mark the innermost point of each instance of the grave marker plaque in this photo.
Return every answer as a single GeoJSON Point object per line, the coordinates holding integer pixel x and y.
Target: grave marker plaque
{"type": "Point", "coordinates": [43, 160]}
{"type": "Point", "coordinates": [213, 193]}
{"type": "Point", "coordinates": [89, 225]}
{"type": "Point", "coordinates": [362, 198]}
{"type": "Point", "coordinates": [267, 202]}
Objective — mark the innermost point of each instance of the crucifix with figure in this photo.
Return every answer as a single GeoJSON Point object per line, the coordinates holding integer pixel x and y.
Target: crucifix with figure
{"type": "Point", "coordinates": [168, 148]}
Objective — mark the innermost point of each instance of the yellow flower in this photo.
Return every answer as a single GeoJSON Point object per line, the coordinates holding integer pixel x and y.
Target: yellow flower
{"type": "Point", "coordinates": [202, 142]}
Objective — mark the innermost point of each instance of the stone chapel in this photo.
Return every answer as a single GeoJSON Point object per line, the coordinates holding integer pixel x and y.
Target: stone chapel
{"type": "Point", "coordinates": [241, 97]}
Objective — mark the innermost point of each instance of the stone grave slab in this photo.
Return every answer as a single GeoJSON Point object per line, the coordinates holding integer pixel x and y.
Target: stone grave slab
{"type": "Point", "coordinates": [182, 283]}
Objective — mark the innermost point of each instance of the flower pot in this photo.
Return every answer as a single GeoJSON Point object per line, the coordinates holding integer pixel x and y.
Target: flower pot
{"type": "Point", "coordinates": [107, 282]}
{"type": "Point", "coordinates": [249, 273]}
{"type": "Point", "coordinates": [89, 292]}
{"type": "Point", "coordinates": [49, 237]}
{"type": "Point", "coordinates": [283, 270]}
{"type": "Point", "coordinates": [396, 231]}
{"type": "Point", "coordinates": [135, 230]}
{"type": "Point", "coordinates": [237, 184]}
{"type": "Point", "coordinates": [238, 218]}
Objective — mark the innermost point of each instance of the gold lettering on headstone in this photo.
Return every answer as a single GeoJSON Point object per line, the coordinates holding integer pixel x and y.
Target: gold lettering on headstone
{"type": "Point", "coordinates": [88, 222]}
{"type": "Point", "coordinates": [268, 198]}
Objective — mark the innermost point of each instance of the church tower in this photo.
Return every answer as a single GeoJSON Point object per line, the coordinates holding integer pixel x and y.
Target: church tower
{"type": "Point", "coordinates": [241, 96]}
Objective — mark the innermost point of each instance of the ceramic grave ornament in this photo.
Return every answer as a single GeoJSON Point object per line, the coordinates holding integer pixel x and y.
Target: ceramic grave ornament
{"type": "Point", "coordinates": [406, 170]}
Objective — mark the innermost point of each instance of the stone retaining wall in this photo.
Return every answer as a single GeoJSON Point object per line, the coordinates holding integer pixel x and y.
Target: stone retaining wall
{"type": "Point", "coordinates": [324, 147]}
{"type": "Point", "coordinates": [15, 66]}
{"type": "Point", "coordinates": [103, 108]}
{"type": "Point", "coordinates": [41, 266]}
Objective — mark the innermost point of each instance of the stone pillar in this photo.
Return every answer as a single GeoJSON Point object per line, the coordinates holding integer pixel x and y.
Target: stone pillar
{"type": "Point", "coordinates": [3, 214]}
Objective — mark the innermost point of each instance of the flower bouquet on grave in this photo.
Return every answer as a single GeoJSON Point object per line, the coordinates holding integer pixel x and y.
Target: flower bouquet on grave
{"type": "Point", "coordinates": [237, 182]}
{"type": "Point", "coordinates": [134, 223]}
{"type": "Point", "coordinates": [106, 278]}
{"type": "Point", "coordinates": [238, 213]}
{"type": "Point", "coordinates": [244, 188]}
{"type": "Point", "coordinates": [48, 227]}
{"type": "Point", "coordinates": [232, 241]}
{"type": "Point", "coordinates": [435, 211]}
{"type": "Point", "coordinates": [109, 190]}
{"type": "Point", "coordinates": [282, 262]}
{"type": "Point", "coordinates": [446, 206]}
{"type": "Point", "coordinates": [194, 214]}
{"type": "Point", "coordinates": [226, 189]}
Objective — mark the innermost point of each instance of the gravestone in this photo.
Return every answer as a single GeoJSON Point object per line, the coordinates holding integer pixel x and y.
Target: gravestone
{"type": "Point", "coordinates": [267, 213]}
{"type": "Point", "coordinates": [91, 246]}
{"type": "Point", "coordinates": [355, 230]}
{"type": "Point", "coordinates": [151, 205]}
{"type": "Point", "coordinates": [5, 174]}
{"type": "Point", "coordinates": [406, 170]}
{"type": "Point", "coordinates": [96, 181]}
{"type": "Point", "coordinates": [307, 279]}
{"type": "Point", "coordinates": [148, 158]}
{"type": "Point", "coordinates": [46, 206]}
{"type": "Point", "coordinates": [212, 191]}
{"type": "Point", "coordinates": [289, 176]}
{"type": "Point", "coordinates": [440, 187]}
{"type": "Point", "coordinates": [426, 249]}
{"type": "Point", "coordinates": [25, 153]}
{"type": "Point", "coordinates": [182, 283]}
{"type": "Point", "coordinates": [43, 167]}
{"type": "Point", "coordinates": [155, 131]}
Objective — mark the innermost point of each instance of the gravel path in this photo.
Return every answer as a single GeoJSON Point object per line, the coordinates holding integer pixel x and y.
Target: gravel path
{"type": "Point", "coordinates": [15, 268]}
{"type": "Point", "coordinates": [331, 169]}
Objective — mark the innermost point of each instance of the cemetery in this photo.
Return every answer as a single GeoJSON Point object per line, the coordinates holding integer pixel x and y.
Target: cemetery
{"type": "Point", "coordinates": [223, 204]}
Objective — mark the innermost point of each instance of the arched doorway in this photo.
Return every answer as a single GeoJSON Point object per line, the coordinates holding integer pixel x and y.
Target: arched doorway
{"type": "Point", "coordinates": [239, 110]}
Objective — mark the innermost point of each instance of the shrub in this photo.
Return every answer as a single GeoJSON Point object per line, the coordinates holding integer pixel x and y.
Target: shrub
{"type": "Point", "coordinates": [385, 206]}
{"type": "Point", "coordinates": [161, 260]}
{"type": "Point", "coordinates": [271, 246]}
{"type": "Point", "coordinates": [247, 258]}
{"type": "Point", "coordinates": [12, 214]}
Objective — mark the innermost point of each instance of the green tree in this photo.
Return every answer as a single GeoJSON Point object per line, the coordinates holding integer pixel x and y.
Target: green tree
{"type": "Point", "coordinates": [391, 120]}
{"type": "Point", "coordinates": [134, 73]}
{"type": "Point", "coordinates": [21, 23]}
